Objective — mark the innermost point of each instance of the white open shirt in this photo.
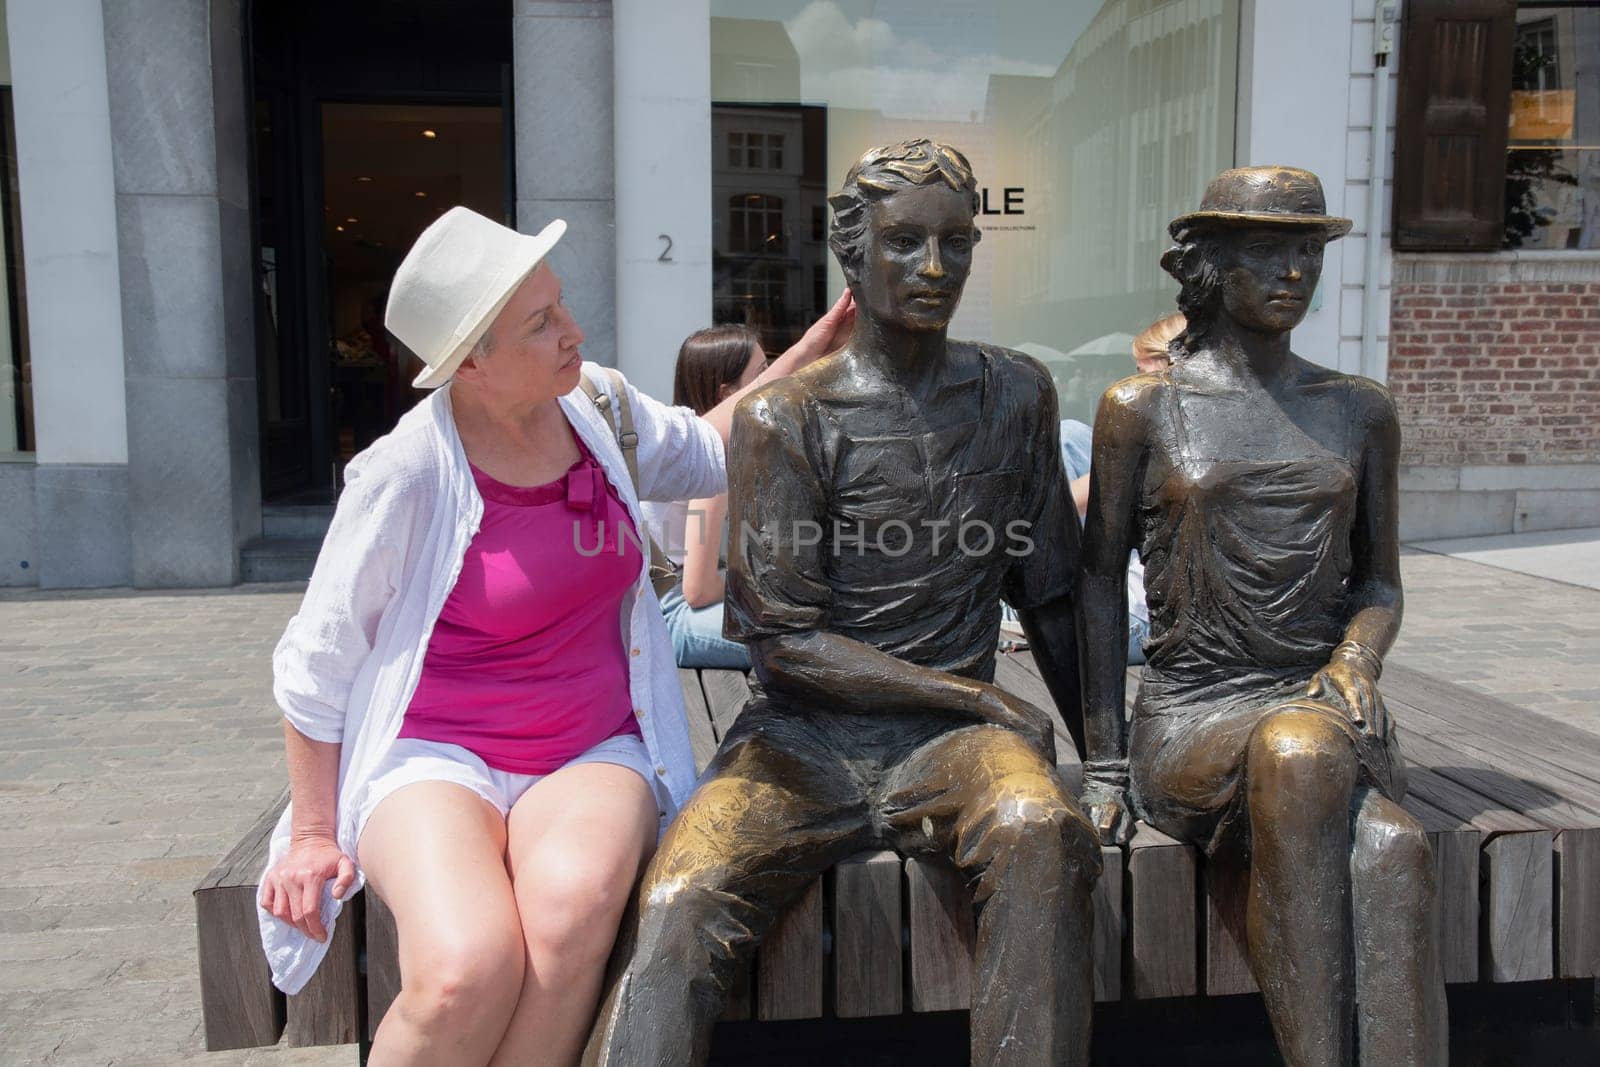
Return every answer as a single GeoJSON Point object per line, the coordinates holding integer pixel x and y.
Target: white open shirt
{"type": "Point", "coordinates": [350, 659]}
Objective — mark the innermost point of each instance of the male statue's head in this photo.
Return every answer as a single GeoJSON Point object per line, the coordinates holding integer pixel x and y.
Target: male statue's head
{"type": "Point", "coordinates": [903, 233]}
{"type": "Point", "coordinates": [1253, 251]}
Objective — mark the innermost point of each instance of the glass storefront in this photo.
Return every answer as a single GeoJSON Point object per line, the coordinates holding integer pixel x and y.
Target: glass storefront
{"type": "Point", "coordinates": [1553, 162]}
{"type": "Point", "coordinates": [1089, 124]}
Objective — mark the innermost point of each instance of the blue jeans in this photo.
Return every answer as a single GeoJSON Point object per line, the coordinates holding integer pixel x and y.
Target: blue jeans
{"type": "Point", "coordinates": [697, 638]}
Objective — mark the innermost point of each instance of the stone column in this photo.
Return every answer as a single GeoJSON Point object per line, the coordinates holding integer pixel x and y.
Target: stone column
{"type": "Point", "coordinates": [663, 72]}
{"type": "Point", "coordinates": [69, 238]}
{"type": "Point", "coordinates": [180, 126]}
{"type": "Point", "coordinates": [561, 67]}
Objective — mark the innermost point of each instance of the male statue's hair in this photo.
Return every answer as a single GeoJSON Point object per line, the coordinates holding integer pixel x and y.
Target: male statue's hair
{"type": "Point", "coordinates": [884, 171]}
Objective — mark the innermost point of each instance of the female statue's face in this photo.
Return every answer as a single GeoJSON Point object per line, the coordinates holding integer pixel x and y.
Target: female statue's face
{"type": "Point", "coordinates": [1269, 275]}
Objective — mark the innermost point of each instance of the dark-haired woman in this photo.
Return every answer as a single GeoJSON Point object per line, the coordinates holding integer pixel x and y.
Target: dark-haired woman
{"type": "Point", "coordinates": [1261, 492]}
{"type": "Point", "coordinates": [713, 364]}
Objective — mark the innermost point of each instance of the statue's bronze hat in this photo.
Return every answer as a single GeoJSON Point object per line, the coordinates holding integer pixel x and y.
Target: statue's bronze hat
{"type": "Point", "coordinates": [1272, 196]}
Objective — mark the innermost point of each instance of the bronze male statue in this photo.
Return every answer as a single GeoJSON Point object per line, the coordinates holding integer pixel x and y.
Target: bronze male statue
{"type": "Point", "coordinates": [1260, 490]}
{"type": "Point", "coordinates": [883, 501]}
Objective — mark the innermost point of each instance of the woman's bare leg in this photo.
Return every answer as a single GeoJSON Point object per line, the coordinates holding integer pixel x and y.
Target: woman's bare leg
{"type": "Point", "coordinates": [1301, 773]}
{"type": "Point", "coordinates": [578, 840]}
{"type": "Point", "coordinates": [1399, 970]}
{"type": "Point", "coordinates": [435, 853]}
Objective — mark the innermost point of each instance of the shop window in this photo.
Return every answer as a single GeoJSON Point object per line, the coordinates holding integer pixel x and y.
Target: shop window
{"type": "Point", "coordinates": [755, 224]}
{"type": "Point", "coordinates": [1498, 135]}
{"type": "Point", "coordinates": [1088, 123]}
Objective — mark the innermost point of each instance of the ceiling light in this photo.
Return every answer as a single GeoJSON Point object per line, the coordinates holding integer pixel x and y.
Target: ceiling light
{"type": "Point", "coordinates": [429, 134]}
{"type": "Point", "coordinates": [364, 178]}
{"type": "Point", "coordinates": [338, 229]}
{"type": "Point", "coordinates": [352, 218]}
{"type": "Point", "coordinates": [421, 194]}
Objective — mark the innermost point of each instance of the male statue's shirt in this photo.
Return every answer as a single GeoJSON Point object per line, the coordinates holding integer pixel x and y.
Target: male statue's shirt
{"type": "Point", "coordinates": [864, 514]}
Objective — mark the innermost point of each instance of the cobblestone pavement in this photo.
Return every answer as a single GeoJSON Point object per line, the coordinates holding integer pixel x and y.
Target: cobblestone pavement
{"type": "Point", "coordinates": [137, 742]}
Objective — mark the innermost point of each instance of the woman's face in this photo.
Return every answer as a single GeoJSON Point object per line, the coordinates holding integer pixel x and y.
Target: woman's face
{"type": "Point", "coordinates": [533, 345]}
{"type": "Point", "coordinates": [1269, 275]}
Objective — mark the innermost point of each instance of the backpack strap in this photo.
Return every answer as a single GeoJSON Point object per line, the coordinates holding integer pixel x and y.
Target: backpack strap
{"type": "Point", "coordinates": [664, 574]}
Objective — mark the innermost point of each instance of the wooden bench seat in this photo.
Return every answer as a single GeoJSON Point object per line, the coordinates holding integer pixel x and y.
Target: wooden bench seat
{"type": "Point", "coordinates": [1510, 800]}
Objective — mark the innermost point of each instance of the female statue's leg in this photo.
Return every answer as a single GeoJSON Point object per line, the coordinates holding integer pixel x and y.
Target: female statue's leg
{"type": "Point", "coordinates": [1301, 772]}
{"type": "Point", "coordinates": [1399, 970]}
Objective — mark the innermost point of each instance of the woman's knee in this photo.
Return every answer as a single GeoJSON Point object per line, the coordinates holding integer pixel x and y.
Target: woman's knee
{"type": "Point", "coordinates": [1306, 749]}
{"type": "Point", "coordinates": [468, 980]}
{"type": "Point", "coordinates": [571, 908]}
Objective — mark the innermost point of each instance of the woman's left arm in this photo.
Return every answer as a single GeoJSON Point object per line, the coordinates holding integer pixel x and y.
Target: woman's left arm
{"type": "Point", "coordinates": [1376, 598]}
{"type": "Point", "coordinates": [826, 336]}
{"type": "Point", "coordinates": [682, 455]}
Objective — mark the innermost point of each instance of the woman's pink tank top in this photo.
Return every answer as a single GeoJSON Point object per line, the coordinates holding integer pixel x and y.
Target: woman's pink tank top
{"type": "Point", "coordinates": [526, 665]}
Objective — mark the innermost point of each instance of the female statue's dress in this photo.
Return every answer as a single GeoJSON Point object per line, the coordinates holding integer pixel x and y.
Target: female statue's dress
{"type": "Point", "coordinates": [1247, 566]}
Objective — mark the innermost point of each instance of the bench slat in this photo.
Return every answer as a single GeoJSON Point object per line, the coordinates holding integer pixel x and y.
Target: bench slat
{"type": "Point", "coordinates": [726, 693]}
{"type": "Point", "coordinates": [328, 1010]}
{"type": "Point", "coordinates": [1456, 861]}
{"type": "Point", "coordinates": [1578, 894]}
{"type": "Point", "coordinates": [1108, 926]}
{"type": "Point", "coordinates": [702, 739]}
{"type": "Point", "coordinates": [1518, 918]}
{"type": "Point", "coordinates": [1507, 726]}
{"type": "Point", "coordinates": [1162, 926]}
{"type": "Point", "coordinates": [866, 936]}
{"type": "Point", "coordinates": [383, 960]}
{"type": "Point", "coordinates": [789, 965]}
{"type": "Point", "coordinates": [943, 936]}
{"type": "Point", "coordinates": [241, 1007]}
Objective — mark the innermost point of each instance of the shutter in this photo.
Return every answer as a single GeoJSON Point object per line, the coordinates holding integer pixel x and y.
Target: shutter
{"type": "Point", "coordinates": [1450, 135]}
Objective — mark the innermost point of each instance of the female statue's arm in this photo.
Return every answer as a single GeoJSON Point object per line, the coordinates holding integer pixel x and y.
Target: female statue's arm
{"type": "Point", "coordinates": [1108, 537]}
{"type": "Point", "coordinates": [1376, 599]}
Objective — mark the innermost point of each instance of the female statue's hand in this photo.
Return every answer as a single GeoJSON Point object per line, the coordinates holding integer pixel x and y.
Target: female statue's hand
{"type": "Point", "coordinates": [1348, 680]}
{"type": "Point", "coordinates": [1110, 815]}
{"type": "Point", "coordinates": [292, 890]}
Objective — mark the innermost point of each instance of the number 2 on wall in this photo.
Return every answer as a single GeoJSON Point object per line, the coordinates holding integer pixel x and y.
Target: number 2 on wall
{"type": "Point", "coordinates": [666, 253]}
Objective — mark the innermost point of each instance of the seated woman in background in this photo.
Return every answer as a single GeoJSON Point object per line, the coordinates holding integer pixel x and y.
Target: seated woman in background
{"type": "Point", "coordinates": [713, 364]}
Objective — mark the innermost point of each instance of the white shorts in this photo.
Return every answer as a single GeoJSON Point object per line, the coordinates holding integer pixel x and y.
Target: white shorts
{"type": "Point", "coordinates": [411, 760]}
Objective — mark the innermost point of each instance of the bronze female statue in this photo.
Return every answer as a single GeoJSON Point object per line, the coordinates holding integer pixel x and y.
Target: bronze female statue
{"type": "Point", "coordinates": [1261, 491]}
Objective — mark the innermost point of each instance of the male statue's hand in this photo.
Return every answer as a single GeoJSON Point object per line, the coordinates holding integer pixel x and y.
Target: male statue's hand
{"type": "Point", "coordinates": [1014, 713]}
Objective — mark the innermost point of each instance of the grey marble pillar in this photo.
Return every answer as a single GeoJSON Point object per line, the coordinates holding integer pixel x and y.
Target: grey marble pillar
{"type": "Point", "coordinates": [561, 65]}
{"type": "Point", "coordinates": [180, 124]}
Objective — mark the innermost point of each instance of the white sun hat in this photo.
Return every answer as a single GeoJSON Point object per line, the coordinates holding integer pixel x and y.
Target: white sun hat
{"type": "Point", "coordinates": [454, 281]}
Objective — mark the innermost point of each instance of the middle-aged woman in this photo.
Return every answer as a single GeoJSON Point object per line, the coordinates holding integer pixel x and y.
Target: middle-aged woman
{"type": "Point", "coordinates": [713, 364]}
{"type": "Point", "coordinates": [1261, 492]}
{"type": "Point", "coordinates": [482, 712]}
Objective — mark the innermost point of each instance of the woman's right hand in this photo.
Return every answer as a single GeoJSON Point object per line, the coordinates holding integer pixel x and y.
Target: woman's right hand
{"type": "Point", "coordinates": [292, 890]}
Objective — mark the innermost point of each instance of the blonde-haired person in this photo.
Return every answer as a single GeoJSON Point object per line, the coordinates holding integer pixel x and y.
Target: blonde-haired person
{"type": "Point", "coordinates": [468, 728]}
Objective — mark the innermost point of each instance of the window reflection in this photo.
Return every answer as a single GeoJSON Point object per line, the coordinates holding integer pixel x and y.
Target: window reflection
{"type": "Point", "coordinates": [1089, 124]}
{"type": "Point", "coordinates": [1552, 186]}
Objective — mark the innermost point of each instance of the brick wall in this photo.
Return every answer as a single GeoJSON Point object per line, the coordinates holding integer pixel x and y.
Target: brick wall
{"type": "Point", "coordinates": [1496, 372]}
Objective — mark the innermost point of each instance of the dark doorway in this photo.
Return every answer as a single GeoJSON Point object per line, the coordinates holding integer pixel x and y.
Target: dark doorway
{"type": "Point", "coordinates": [371, 121]}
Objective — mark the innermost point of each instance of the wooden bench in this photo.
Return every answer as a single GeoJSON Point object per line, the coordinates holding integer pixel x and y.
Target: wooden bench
{"type": "Point", "coordinates": [1510, 800]}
